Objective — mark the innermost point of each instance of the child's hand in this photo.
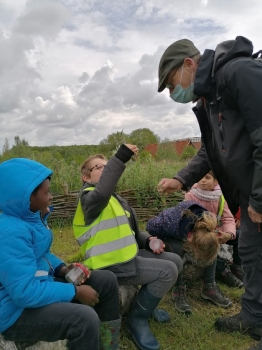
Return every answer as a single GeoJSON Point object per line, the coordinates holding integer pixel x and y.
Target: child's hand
{"type": "Point", "coordinates": [65, 269]}
{"type": "Point", "coordinates": [133, 148]}
{"type": "Point", "coordinates": [161, 248]}
{"type": "Point", "coordinates": [237, 222]}
{"type": "Point", "coordinates": [223, 237]}
{"type": "Point", "coordinates": [87, 295]}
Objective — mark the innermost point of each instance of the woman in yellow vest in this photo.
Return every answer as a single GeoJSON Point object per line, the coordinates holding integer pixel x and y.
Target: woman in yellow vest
{"type": "Point", "coordinates": [107, 230]}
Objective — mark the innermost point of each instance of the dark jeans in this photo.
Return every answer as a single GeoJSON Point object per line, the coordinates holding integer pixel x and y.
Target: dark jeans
{"type": "Point", "coordinates": [176, 246]}
{"type": "Point", "coordinates": [250, 252]}
{"type": "Point", "coordinates": [77, 323]}
{"type": "Point", "coordinates": [221, 262]}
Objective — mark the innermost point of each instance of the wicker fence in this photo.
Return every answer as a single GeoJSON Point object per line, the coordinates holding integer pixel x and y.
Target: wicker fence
{"type": "Point", "coordinates": [146, 205]}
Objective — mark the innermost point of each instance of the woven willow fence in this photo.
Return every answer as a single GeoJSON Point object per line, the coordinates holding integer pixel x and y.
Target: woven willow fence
{"type": "Point", "coordinates": [145, 204]}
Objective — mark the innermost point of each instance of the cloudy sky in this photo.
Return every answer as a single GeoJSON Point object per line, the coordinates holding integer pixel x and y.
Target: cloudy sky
{"type": "Point", "coordinates": [74, 71]}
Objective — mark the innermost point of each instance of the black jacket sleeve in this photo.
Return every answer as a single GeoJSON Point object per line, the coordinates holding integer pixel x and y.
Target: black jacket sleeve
{"type": "Point", "coordinates": [196, 169]}
{"type": "Point", "coordinates": [243, 80]}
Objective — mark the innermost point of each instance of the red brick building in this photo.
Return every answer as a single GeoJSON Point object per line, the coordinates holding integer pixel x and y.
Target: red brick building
{"type": "Point", "coordinates": [179, 145]}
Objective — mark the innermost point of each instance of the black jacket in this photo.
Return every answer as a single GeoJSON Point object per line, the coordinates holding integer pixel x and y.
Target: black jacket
{"type": "Point", "coordinates": [93, 202]}
{"type": "Point", "coordinates": [230, 119]}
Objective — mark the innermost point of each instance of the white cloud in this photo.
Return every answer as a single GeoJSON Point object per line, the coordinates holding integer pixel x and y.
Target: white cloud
{"type": "Point", "coordinates": [74, 71]}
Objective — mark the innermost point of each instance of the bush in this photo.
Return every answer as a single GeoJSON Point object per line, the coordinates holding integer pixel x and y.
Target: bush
{"type": "Point", "coordinates": [188, 153]}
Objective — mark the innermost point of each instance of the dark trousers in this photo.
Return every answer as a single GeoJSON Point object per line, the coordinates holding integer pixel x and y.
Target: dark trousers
{"type": "Point", "coordinates": [221, 262]}
{"type": "Point", "coordinates": [176, 246]}
{"type": "Point", "coordinates": [250, 252]}
{"type": "Point", "coordinates": [77, 323]}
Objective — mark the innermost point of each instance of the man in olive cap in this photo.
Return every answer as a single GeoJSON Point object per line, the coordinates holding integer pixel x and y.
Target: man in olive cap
{"type": "Point", "coordinates": [227, 85]}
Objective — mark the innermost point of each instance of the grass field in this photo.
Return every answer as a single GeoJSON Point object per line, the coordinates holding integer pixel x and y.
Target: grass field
{"type": "Point", "coordinates": [182, 333]}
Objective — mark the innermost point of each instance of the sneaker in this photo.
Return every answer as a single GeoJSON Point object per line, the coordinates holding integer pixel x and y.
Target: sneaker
{"type": "Point", "coordinates": [238, 271]}
{"type": "Point", "coordinates": [229, 279]}
{"type": "Point", "coordinates": [212, 292]}
{"type": "Point", "coordinates": [180, 300]}
{"type": "Point", "coordinates": [258, 346]}
{"type": "Point", "coordinates": [237, 324]}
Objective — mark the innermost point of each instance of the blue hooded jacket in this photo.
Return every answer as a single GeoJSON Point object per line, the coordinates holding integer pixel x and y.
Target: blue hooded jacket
{"type": "Point", "coordinates": [26, 264]}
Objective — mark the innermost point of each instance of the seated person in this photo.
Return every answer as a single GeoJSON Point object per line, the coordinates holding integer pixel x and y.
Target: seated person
{"type": "Point", "coordinates": [107, 230]}
{"type": "Point", "coordinates": [190, 227]}
{"type": "Point", "coordinates": [33, 305]}
{"type": "Point", "coordinates": [208, 193]}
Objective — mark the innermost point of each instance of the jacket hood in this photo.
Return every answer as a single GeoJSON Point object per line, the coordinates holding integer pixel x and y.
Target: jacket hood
{"type": "Point", "coordinates": [18, 178]}
{"type": "Point", "coordinates": [211, 61]}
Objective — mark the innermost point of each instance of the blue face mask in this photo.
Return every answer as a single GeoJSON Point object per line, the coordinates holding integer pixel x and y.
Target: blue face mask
{"type": "Point", "coordinates": [181, 95]}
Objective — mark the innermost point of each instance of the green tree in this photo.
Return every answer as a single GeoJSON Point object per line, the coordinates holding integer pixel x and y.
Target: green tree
{"type": "Point", "coordinates": [6, 146]}
{"type": "Point", "coordinates": [166, 151]}
{"type": "Point", "coordinates": [188, 153]}
{"type": "Point", "coordinates": [143, 137]}
{"type": "Point", "coordinates": [113, 141]}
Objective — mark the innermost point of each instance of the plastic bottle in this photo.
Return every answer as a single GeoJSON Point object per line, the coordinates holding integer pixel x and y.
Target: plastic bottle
{"type": "Point", "coordinates": [77, 275]}
{"type": "Point", "coordinates": [155, 243]}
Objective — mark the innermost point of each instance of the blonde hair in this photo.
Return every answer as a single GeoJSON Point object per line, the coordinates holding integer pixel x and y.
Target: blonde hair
{"type": "Point", "coordinates": [85, 167]}
{"type": "Point", "coordinates": [204, 244]}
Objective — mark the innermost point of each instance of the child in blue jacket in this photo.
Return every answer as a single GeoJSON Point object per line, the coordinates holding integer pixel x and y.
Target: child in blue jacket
{"type": "Point", "coordinates": [33, 305]}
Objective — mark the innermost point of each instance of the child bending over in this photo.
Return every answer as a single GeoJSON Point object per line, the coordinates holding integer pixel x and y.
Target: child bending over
{"type": "Point", "coordinates": [208, 193]}
{"type": "Point", "coordinates": [190, 227]}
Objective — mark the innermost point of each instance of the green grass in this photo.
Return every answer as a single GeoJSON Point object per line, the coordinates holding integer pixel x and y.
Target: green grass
{"type": "Point", "coordinates": [182, 333]}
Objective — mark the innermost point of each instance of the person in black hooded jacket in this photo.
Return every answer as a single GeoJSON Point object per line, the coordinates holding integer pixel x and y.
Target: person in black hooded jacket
{"type": "Point", "coordinates": [226, 83]}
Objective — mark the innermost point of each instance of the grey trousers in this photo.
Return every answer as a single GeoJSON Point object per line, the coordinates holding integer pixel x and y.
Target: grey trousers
{"type": "Point", "coordinates": [250, 252]}
{"type": "Point", "coordinates": [158, 271]}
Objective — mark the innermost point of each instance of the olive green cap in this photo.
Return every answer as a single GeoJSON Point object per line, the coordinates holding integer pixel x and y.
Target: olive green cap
{"type": "Point", "coordinates": [174, 57]}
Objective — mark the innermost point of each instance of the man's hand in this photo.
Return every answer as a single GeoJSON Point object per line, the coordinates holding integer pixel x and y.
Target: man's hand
{"type": "Point", "coordinates": [254, 216]}
{"type": "Point", "coordinates": [87, 295]}
{"type": "Point", "coordinates": [169, 186]}
{"type": "Point", "coordinates": [223, 237]}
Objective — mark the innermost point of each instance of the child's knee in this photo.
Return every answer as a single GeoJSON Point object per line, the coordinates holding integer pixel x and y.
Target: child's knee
{"type": "Point", "coordinates": [170, 272]}
{"type": "Point", "coordinates": [86, 320]}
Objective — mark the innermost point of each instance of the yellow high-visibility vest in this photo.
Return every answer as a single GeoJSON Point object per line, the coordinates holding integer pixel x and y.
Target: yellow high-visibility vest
{"type": "Point", "coordinates": [109, 240]}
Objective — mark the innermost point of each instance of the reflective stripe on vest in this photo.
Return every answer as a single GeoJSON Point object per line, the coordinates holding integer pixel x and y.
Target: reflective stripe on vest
{"type": "Point", "coordinates": [104, 225]}
{"type": "Point", "coordinates": [109, 247]}
{"type": "Point", "coordinates": [108, 240]}
{"type": "Point", "coordinates": [220, 207]}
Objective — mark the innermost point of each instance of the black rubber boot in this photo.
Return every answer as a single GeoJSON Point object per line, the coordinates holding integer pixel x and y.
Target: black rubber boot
{"type": "Point", "coordinates": [137, 320]}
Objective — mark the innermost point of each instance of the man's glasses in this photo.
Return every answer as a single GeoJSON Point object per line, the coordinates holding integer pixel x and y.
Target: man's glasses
{"type": "Point", "coordinates": [98, 167]}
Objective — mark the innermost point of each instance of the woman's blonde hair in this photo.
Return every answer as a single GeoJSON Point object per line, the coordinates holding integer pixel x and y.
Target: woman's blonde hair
{"type": "Point", "coordinates": [204, 244]}
{"type": "Point", "coordinates": [85, 167]}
